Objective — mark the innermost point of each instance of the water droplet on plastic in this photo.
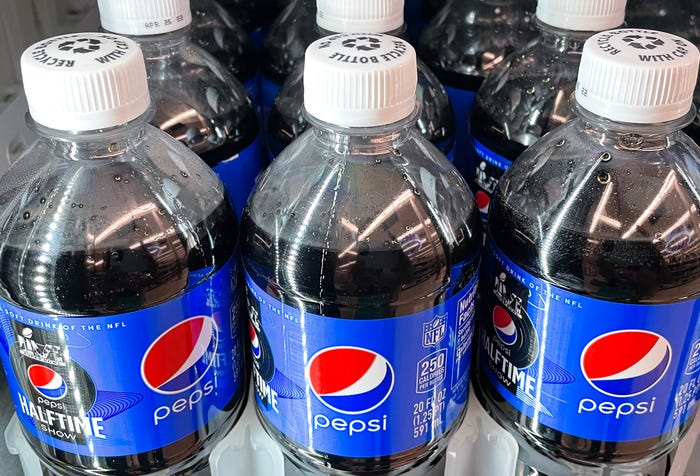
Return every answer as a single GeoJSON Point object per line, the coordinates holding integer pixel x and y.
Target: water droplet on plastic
{"type": "Point", "coordinates": [80, 205]}
{"type": "Point", "coordinates": [561, 143]}
{"type": "Point", "coordinates": [530, 90]}
{"type": "Point", "coordinates": [42, 200]}
{"type": "Point", "coordinates": [73, 205]}
{"type": "Point", "coordinates": [26, 215]}
{"type": "Point", "coordinates": [117, 177]}
{"type": "Point", "coordinates": [93, 218]}
{"type": "Point", "coordinates": [184, 174]}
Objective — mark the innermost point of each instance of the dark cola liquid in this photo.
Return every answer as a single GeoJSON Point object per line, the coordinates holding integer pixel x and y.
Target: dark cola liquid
{"type": "Point", "coordinates": [127, 279]}
{"type": "Point", "coordinates": [492, 135]}
{"type": "Point", "coordinates": [383, 276]}
{"type": "Point", "coordinates": [630, 271]}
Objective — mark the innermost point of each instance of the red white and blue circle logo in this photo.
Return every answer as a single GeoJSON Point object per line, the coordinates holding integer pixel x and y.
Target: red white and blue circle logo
{"type": "Point", "coordinates": [47, 382]}
{"type": "Point", "coordinates": [254, 341]}
{"type": "Point", "coordinates": [350, 380]}
{"type": "Point", "coordinates": [504, 326]}
{"type": "Point", "coordinates": [181, 356]}
{"type": "Point", "coordinates": [626, 363]}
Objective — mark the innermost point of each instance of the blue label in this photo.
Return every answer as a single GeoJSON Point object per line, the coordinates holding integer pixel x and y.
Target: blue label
{"type": "Point", "coordinates": [127, 383]}
{"type": "Point", "coordinates": [361, 388]}
{"type": "Point", "coordinates": [462, 103]}
{"type": "Point", "coordinates": [240, 172]}
{"type": "Point", "coordinates": [488, 170]}
{"type": "Point", "coordinates": [268, 92]}
{"type": "Point", "coordinates": [593, 369]}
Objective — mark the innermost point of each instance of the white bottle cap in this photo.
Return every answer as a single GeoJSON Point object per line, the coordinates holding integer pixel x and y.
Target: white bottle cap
{"type": "Point", "coordinates": [85, 81]}
{"type": "Point", "coordinates": [366, 16]}
{"type": "Point", "coordinates": [360, 79]}
{"type": "Point", "coordinates": [637, 76]}
{"type": "Point", "coordinates": [144, 17]}
{"type": "Point", "coordinates": [581, 15]}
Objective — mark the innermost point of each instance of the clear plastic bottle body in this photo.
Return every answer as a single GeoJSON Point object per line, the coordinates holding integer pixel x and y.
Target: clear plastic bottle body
{"type": "Point", "coordinates": [287, 118]}
{"type": "Point", "coordinates": [606, 211]}
{"type": "Point", "coordinates": [363, 190]}
{"type": "Point", "coordinates": [462, 44]}
{"type": "Point", "coordinates": [202, 105]}
{"type": "Point", "coordinates": [525, 97]}
{"type": "Point", "coordinates": [662, 15]}
{"type": "Point", "coordinates": [82, 218]}
{"type": "Point", "coordinates": [214, 30]}
{"type": "Point", "coordinates": [284, 46]}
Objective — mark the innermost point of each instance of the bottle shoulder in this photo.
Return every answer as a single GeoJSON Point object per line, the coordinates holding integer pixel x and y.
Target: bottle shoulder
{"type": "Point", "coordinates": [592, 214]}
{"type": "Point", "coordinates": [309, 177]}
{"type": "Point", "coordinates": [469, 42]}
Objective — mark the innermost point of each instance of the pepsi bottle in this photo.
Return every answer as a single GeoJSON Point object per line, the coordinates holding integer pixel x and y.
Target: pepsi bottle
{"type": "Point", "coordinates": [119, 320]}
{"type": "Point", "coordinates": [462, 44]}
{"type": "Point", "coordinates": [292, 31]}
{"type": "Point", "coordinates": [214, 30]}
{"type": "Point", "coordinates": [287, 119]}
{"type": "Point", "coordinates": [527, 94]}
{"type": "Point", "coordinates": [197, 100]}
{"type": "Point", "coordinates": [589, 337]}
{"type": "Point", "coordinates": [361, 246]}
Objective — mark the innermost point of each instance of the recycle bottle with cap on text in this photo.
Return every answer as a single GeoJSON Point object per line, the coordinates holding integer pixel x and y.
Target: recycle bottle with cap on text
{"type": "Point", "coordinates": [361, 247]}
{"type": "Point", "coordinates": [462, 44]}
{"type": "Point", "coordinates": [119, 309]}
{"type": "Point", "coordinates": [589, 336]}
{"type": "Point", "coordinates": [287, 119]}
{"type": "Point", "coordinates": [197, 100]}
{"type": "Point", "coordinates": [224, 38]}
{"type": "Point", "coordinates": [527, 95]}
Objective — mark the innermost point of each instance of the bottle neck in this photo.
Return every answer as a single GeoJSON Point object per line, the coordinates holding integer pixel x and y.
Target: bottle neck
{"type": "Point", "coordinates": [399, 32]}
{"type": "Point", "coordinates": [363, 141]}
{"type": "Point", "coordinates": [561, 40]}
{"type": "Point", "coordinates": [628, 136]}
{"type": "Point", "coordinates": [157, 46]}
{"type": "Point", "coordinates": [99, 144]}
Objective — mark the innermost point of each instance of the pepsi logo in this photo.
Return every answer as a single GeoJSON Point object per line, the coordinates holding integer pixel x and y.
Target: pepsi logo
{"type": "Point", "coordinates": [47, 382]}
{"type": "Point", "coordinates": [482, 201]}
{"type": "Point", "coordinates": [350, 380]}
{"type": "Point", "coordinates": [504, 326]}
{"type": "Point", "coordinates": [626, 363]}
{"type": "Point", "coordinates": [254, 341]}
{"type": "Point", "coordinates": [181, 356]}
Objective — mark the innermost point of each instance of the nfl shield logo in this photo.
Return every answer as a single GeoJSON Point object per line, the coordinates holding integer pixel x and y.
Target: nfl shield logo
{"type": "Point", "coordinates": [434, 331]}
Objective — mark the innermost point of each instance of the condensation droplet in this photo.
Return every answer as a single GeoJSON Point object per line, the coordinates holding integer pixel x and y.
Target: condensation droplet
{"type": "Point", "coordinates": [117, 177]}
{"type": "Point", "coordinates": [26, 215]}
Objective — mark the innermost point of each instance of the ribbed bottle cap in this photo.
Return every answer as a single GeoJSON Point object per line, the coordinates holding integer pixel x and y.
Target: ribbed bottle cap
{"type": "Point", "coordinates": [352, 16]}
{"type": "Point", "coordinates": [637, 76]}
{"type": "Point", "coordinates": [582, 15]}
{"type": "Point", "coordinates": [360, 79]}
{"type": "Point", "coordinates": [85, 81]}
{"type": "Point", "coordinates": [144, 17]}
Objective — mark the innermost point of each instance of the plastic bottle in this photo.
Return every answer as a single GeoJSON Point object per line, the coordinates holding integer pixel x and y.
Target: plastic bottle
{"type": "Point", "coordinates": [527, 95]}
{"type": "Point", "coordinates": [197, 100]}
{"type": "Point", "coordinates": [287, 119]}
{"type": "Point", "coordinates": [118, 293]}
{"type": "Point", "coordinates": [589, 337]}
{"type": "Point", "coordinates": [462, 44]}
{"type": "Point", "coordinates": [218, 33]}
{"type": "Point", "coordinates": [361, 246]}
{"type": "Point", "coordinates": [284, 46]}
